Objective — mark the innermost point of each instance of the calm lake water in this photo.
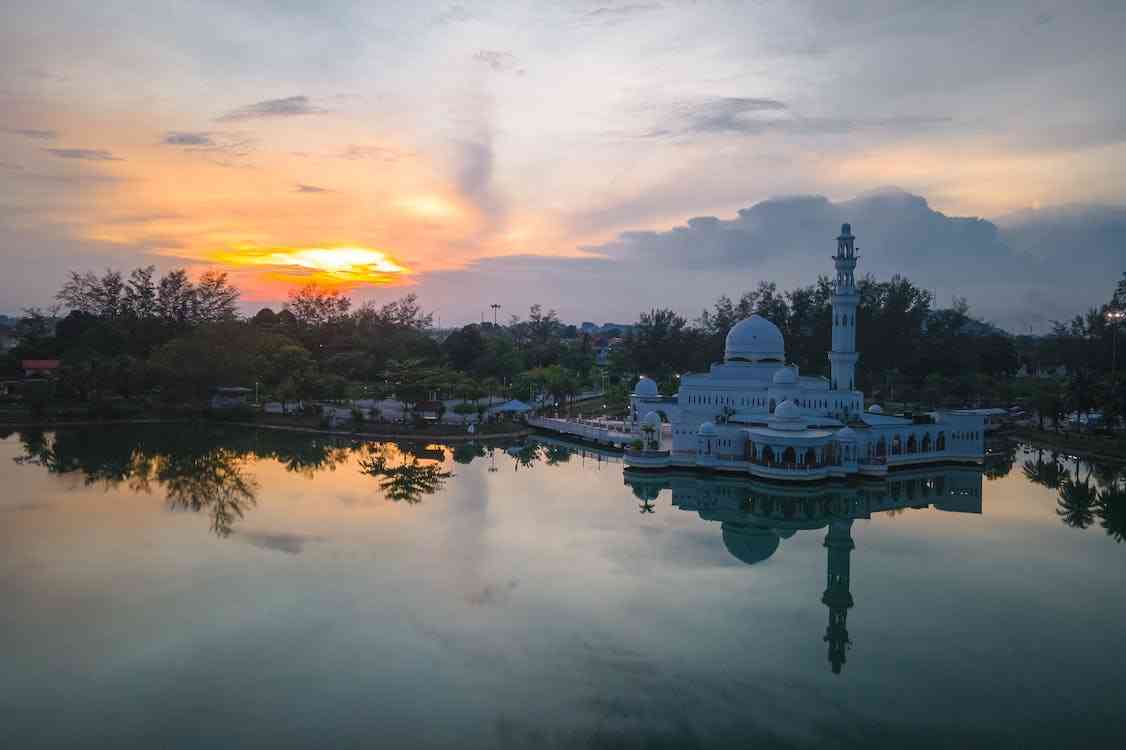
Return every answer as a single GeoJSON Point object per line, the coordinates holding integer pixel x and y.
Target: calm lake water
{"type": "Point", "coordinates": [176, 586]}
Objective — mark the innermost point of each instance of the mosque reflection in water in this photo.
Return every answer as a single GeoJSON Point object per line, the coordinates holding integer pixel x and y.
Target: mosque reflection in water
{"type": "Point", "coordinates": [756, 517]}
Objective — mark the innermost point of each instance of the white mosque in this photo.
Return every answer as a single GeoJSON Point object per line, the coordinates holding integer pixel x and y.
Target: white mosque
{"type": "Point", "coordinates": [754, 414]}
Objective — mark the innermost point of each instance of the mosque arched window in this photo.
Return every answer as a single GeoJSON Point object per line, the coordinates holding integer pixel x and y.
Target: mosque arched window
{"type": "Point", "coordinates": [896, 446]}
{"type": "Point", "coordinates": [789, 457]}
{"type": "Point", "coordinates": [940, 442]}
{"type": "Point", "coordinates": [927, 443]}
{"type": "Point", "coordinates": [912, 444]}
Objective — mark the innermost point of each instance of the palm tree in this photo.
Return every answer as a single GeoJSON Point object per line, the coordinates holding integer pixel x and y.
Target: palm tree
{"type": "Point", "coordinates": [1047, 474]}
{"type": "Point", "coordinates": [1076, 504]}
{"type": "Point", "coordinates": [1111, 509]}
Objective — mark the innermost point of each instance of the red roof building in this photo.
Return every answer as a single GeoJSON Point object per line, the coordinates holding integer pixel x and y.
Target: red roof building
{"type": "Point", "coordinates": [39, 367]}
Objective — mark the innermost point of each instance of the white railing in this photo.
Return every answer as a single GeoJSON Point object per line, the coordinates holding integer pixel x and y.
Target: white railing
{"type": "Point", "coordinates": [585, 429]}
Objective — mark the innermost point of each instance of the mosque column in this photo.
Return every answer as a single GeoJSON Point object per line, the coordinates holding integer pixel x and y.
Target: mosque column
{"type": "Point", "coordinates": [837, 596]}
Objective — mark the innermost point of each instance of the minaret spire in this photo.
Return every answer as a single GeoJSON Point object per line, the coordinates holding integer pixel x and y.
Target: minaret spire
{"type": "Point", "coordinates": [843, 357]}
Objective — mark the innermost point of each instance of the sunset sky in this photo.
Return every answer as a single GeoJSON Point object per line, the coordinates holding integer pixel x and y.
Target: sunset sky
{"type": "Point", "coordinates": [446, 149]}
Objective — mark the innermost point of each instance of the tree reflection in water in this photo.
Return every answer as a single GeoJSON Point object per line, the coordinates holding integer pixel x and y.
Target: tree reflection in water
{"type": "Point", "coordinates": [1079, 502]}
{"type": "Point", "coordinates": [403, 477]}
{"type": "Point", "coordinates": [216, 481]}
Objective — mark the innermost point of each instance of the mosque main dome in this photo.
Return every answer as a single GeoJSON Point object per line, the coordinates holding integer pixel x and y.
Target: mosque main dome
{"type": "Point", "coordinates": [755, 339]}
{"type": "Point", "coordinates": [749, 543]}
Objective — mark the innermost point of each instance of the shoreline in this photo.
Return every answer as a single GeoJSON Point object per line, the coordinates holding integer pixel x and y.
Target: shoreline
{"type": "Point", "coordinates": [443, 437]}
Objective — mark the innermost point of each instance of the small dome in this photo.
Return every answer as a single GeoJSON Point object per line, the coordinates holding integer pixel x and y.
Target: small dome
{"type": "Point", "coordinates": [755, 339]}
{"type": "Point", "coordinates": [748, 543]}
{"type": "Point", "coordinates": [847, 434]}
{"type": "Point", "coordinates": [645, 387]}
{"type": "Point", "coordinates": [652, 418]}
{"type": "Point", "coordinates": [787, 410]}
{"type": "Point", "coordinates": [785, 376]}
{"type": "Point", "coordinates": [645, 490]}
{"type": "Point", "coordinates": [875, 409]}
{"type": "Point", "coordinates": [707, 429]}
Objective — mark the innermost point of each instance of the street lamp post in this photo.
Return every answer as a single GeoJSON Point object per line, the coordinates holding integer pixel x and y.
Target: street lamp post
{"type": "Point", "coordinates": [495, 307]}
{"type": "Point", "coordinates": [1115, 317]}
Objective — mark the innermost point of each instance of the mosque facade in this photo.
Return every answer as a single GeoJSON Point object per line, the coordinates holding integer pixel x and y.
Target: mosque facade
{"type": "Point", "coordinates": [755, 414]}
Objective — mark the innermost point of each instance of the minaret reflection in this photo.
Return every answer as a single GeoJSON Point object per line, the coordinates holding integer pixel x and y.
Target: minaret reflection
{"type": "Point", "coordinates": [756, 517]}
{"type": "Point", "coordinates": [837, 596]}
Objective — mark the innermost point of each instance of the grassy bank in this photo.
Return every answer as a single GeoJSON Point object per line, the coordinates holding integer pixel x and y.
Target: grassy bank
{"type": "Point", "coordinates": [1111, 447]}
{"type": "Point", "coordinates": [19, 415]}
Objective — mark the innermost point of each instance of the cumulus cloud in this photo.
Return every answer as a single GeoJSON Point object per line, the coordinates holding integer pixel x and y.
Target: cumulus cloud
{"type": "Point", "coordinates": [291, 106]}
{"type": "Point", "coordinates": [39, 135]}
{"type": "Point", "coordinates": [86, 154]}
{"type": "Point", "coordinates": [1011, 275]}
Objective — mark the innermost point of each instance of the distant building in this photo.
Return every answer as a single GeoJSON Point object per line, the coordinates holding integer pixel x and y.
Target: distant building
{"type": "Point", "coordinates": [40, 368]}
{"type": "Point", "coordinates": [1032, 370]}
{"type": "Point", "coordinates": [8, 340]}
{"type": "Point", "coordinates": [230, 397]}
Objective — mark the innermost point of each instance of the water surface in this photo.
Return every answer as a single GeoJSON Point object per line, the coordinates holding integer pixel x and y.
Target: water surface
{"type": "Point", "coordinates": [171, 586]}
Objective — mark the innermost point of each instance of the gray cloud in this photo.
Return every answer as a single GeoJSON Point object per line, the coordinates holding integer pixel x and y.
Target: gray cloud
{"type": "Point", "coordinates": [86, 154]}
{"type": "Point", "coordinates": [492, 594]}
{"type": "Point", "coordinates": [291, 106]}
{"type": "Point", "coordinates": [453, 14]}
{"type": "Point", "coordinates": [380, 153]}
{"type": "Point", "coordinates": [301, 188]}
{"type": "Point", "coordinates": [499, 60]}
{"type": "Point", "coordinates": [754, 116]}
{"type": "Point", "coordinates": [185, 138]}
{"type": "Point", "coordinates": [623, 11]}
{"type": "Point", "coordinates": [41, 135]}
{"type": "Point", "coordinates": [222, 149]}
{"type": "Point", "coordinates": [475, 164]}
{"type": "Point", "coordinates": [290, 544]}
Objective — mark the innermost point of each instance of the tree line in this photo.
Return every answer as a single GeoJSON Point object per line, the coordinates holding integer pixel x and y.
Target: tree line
{"type": "Point", "coordinates": [125, 335]}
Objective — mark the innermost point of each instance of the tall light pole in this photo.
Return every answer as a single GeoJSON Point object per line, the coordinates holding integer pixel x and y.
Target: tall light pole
{"type": "Point", "coordinates": [1115, 317]}
{"type": "Point", "coordinates": [495, 307]}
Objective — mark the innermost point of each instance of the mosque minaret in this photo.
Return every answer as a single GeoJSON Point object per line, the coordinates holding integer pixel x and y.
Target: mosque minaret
{"type": "Point", "coordinates": [842, 358]}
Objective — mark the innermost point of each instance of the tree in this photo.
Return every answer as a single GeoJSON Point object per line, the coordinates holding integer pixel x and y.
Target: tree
{"type": "Point", "coordinates": [215, 299]}
{"type": "Point", "coordinates": [265, 318]}
{"type": "Point", "coordinates": [175, 296]}
{"type": "Point", "coordinates": [314, 306]}
{"type": "Point", "coordinates": [139, 301]}
{"type": "Point", "coordinates": [464, 347]}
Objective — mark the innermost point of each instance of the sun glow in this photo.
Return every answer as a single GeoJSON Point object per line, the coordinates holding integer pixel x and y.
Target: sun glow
{"type": "Point", "coordinates": [328, 265]}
